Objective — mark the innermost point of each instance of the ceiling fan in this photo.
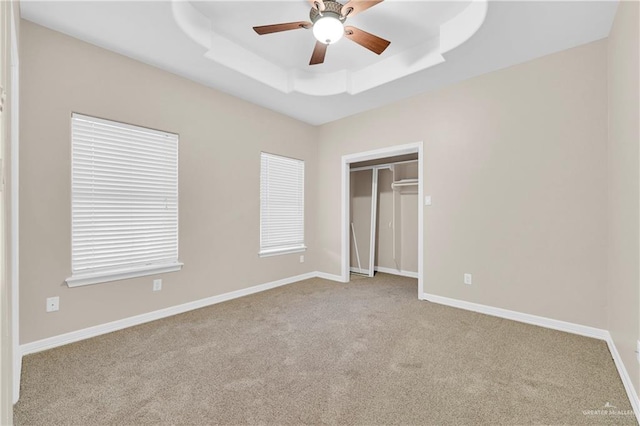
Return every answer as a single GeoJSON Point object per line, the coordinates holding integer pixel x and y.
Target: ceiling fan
{"type": "Point", "coordinates": [327, 20]}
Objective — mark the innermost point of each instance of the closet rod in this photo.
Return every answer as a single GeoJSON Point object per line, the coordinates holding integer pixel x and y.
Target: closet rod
{"type": "Point", "coordinates": [382, 166]}
{"type": "Point", "coordinates": [404, 182]}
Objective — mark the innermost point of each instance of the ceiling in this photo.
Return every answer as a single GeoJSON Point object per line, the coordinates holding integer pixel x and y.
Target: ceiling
{"type": "Point", "coordinates": [433, 44]}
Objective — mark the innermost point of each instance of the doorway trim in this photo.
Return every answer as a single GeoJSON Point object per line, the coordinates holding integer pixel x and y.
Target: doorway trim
{"type": "Point", "coordinates": [411, 148]}
{"type": "Point", "coordinates": [15, 217]}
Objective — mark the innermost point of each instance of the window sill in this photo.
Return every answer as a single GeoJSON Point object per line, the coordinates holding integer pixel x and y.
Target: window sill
{"type": "Point", "coordinates": [122, 274]}
{"type": "Point", "coordinates": [279, 251]}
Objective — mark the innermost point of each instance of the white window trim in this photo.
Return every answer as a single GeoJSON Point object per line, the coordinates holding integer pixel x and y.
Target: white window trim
{"type": "Point", "coordinates": [282, 250]}
{"type": "Point", "coordinates": [133, 271]}
{"type": "Point", "coordinates": [122, 274]}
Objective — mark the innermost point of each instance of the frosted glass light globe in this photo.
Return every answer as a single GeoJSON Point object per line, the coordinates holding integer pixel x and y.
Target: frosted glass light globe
{"type": "Point", "coordinates": [328, 30]}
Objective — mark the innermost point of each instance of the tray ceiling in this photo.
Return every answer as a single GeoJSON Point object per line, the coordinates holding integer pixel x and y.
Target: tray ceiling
{"type": "Point", "coordinates": [433, 43]}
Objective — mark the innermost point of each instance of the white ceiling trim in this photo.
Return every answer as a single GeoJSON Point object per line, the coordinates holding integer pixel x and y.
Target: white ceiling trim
{"type": "Point", "coordinates": [225, 52]}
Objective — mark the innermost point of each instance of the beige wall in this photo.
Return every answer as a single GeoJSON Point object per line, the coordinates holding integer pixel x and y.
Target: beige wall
{"type": "Point", "coordinates": [515, 164]}
{"type": "Point", "coordinates": [220, 142]}
{"type": "Point", "coordinates": [623, 293]}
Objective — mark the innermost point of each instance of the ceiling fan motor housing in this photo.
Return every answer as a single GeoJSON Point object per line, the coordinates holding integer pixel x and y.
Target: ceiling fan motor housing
{"type": "Point", "coordinates": [331, 8]}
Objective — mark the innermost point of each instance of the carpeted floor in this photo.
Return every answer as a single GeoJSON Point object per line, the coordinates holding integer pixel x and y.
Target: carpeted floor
{"type": "Point", "coordinates": [368, 352]}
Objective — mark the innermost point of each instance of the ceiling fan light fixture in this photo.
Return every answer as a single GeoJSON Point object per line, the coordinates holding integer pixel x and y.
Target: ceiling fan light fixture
{"type": "Point", "coordinates": [328, 29]}
{"type": "Point", "coordinates": [327, 19]}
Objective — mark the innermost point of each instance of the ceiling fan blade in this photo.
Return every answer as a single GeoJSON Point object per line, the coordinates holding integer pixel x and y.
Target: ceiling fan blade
{"type": "Point", "coordinates": [372, 42]}
{"type": "Point", "coordinates": [354, 7]}
{"type": "Point", "coordinates": [317, 57]}
{"type": "Point", "coordinates": [276, 28]}
{"type": "Point", "coordinates": [320, 4]}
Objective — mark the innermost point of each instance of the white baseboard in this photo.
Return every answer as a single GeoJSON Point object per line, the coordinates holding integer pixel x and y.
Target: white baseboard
{"type": "Point", "coordinates": [359, 271]}
{"type": "Point", "coordinates": [330, 277]}
{"type": "Point", "coordinates": [384, 270]}
{"type": "Point", "coordinates": [624, 376]}
{"type": "Point", "coordinates": [568, 327]}
{"type": "Point", "coordinates": [75, 336]}
{"type": "Point", "coordinates": [409, 274]}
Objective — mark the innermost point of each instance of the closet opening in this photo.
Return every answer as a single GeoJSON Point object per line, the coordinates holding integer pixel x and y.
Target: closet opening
{"type": "Point", "coordinates": [383, 213]}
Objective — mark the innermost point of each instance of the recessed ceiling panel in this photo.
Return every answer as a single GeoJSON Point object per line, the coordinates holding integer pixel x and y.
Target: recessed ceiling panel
{"type": "Point", "coordinates": [419, 33]}
{"type": "Point", "coordinates": [404, 23]}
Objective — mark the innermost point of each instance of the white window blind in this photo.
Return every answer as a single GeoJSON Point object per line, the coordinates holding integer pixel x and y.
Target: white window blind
{"type": "Point", "coordinates": [281, 205]}
{"type": "Point", "coordinates": [124, 201]}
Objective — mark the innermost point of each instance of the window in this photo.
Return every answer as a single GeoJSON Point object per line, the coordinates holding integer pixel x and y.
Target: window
{"type": "Point", "coordinates": [124, 201]}
{"type": "Point", "coordinates": [281, 205]}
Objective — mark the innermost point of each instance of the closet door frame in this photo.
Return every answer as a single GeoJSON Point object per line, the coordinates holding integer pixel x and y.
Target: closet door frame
{"type": "Point", "coordinates": [347, 160]}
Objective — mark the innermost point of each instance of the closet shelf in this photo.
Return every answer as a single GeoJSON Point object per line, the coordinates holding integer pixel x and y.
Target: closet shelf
{"type": "Point", "coordinates": [404, 182]}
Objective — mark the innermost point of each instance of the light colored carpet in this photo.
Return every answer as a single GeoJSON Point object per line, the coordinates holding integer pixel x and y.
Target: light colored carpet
{"type": "Point", "coordinates": [368, 352]}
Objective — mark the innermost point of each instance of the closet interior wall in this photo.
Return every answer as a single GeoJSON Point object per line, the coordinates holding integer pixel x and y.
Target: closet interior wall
{"type": "Point", "coordinates": [392, 190]}
{"type": "Point", "coordinates": [397, 224]}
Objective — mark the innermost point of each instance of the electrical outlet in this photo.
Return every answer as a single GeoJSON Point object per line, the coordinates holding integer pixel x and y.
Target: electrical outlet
{"type": "Point", "coordinates": [467, 279]}
{"type": "Point", "coordinates": [157, 285]}
{"type": "Point", "coordinates": [302, 258]}
{"type": "Point", "coordinates": [53, 304]}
